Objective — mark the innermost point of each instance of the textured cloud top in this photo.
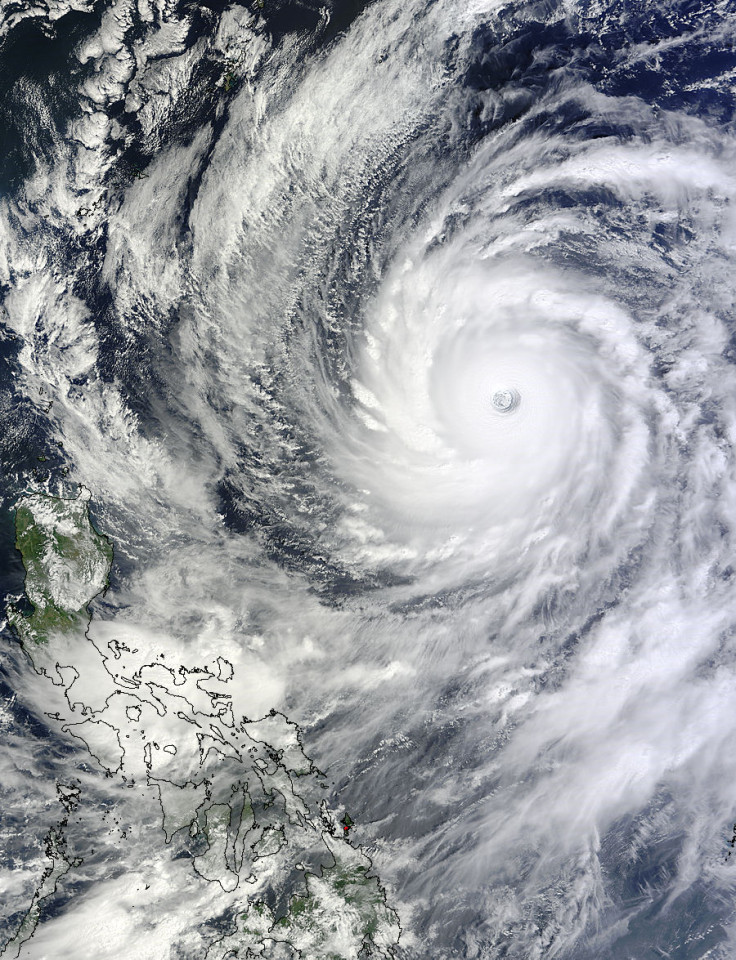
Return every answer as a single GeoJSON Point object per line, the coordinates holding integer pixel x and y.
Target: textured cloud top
{"type": "Point", "coordinates": [395, 347]}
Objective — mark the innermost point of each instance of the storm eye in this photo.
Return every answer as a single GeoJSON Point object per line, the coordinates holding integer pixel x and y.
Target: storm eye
{"type": "Point", "coordinates": [504, 401]}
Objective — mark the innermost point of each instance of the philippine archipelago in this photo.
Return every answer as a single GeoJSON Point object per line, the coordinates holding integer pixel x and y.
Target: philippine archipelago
{"type": "Point", "coordinates": [367, 479]}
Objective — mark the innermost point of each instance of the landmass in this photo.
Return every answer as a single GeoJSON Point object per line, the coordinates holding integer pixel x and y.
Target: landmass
{"type": "Point", "coordinates": [59, 864]}
{"type": "Point", "coordinates": [67, 563]}
{"type": "Point", "coordinates": [238, 796]}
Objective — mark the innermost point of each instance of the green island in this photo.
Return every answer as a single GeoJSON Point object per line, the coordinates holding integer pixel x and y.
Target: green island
{"type": "Point", "coordinates": [67, 563]}
{"type": "Point", "coordinates": [342, 915]}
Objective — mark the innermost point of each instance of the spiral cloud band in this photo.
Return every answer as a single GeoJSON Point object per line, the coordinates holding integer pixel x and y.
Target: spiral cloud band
{"type": "Point", "coordinates": [395, 348]}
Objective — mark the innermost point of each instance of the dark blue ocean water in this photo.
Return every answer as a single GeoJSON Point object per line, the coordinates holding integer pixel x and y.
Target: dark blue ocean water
{"type": "Point", "coordinates": [527, 54]}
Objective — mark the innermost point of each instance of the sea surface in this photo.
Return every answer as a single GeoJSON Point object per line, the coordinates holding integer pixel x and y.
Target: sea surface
{"type": "Point", "coordinates": [263, 269]}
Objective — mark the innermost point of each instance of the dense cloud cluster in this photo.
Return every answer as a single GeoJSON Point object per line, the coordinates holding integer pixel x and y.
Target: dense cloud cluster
{"type": "Point", "coordinates": [264, 287]}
